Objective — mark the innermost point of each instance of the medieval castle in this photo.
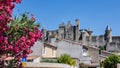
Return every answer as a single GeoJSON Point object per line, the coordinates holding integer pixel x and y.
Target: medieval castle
{"type": "Point", "coordinates": [84, 36]}
{"type": "Point", "coordinates": [80, 44]}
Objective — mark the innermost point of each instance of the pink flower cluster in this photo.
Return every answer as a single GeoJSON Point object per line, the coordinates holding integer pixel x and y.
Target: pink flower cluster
{"type": "Point", "coordinates": [6, 8]}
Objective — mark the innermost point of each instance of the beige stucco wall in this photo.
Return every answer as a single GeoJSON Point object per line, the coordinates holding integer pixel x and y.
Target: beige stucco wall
{"type": "Point", "coordinates": [49, 52]}
{"type": "Point", "coordinates": [94, 54]}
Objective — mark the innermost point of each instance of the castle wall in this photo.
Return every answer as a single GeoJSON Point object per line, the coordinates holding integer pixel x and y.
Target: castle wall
{"type": "Point", "coordinates": [113, 47]}
{"type": "Point", "coordinates": [116, 39]}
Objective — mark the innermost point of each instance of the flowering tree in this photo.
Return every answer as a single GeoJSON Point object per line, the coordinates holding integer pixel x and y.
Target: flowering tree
{"type": "Point", "coordinates": [17, 35]}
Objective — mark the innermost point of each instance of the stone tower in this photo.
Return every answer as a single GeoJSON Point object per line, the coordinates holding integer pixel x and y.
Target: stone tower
{"type": "Point", "coordinates": [61, 31]}
{"type": "Point", "coordinates": [108, 34]}
{"type": "Point", "coordinates": [90, 36]}
{"type": "Point", "coordinates": [77, 32]}
{"type": "Point", "coordinates": [68, 31]}
{"type": "Point", "coordinates": [83, 34]}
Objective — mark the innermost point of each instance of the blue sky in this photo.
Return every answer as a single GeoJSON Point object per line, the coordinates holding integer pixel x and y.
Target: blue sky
{"type": "Point", "coordinates": [94, 14]}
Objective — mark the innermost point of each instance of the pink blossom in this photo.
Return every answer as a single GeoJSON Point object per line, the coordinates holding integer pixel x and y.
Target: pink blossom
{"type": "Point", "coordinates": [32, 40]}
{"type": "Point", "coordinates": [10, 47]}
{"type": "Point", "coordinates": [23, 38]}
{"type": "Point", "coordinates": [31, 34]}
{"type": "Point", "coordinates": [18, 1]}
{"type": "Point", "coordinates": [5, 40]}
{"type": "Point", "coordinates": [2, 17]}
{"type": "Point", "coordinates": [1, 38]}
{"type": "Point", "coordinates": [1, 7]}
{"type": "Point", "coordinates": [16, 49]}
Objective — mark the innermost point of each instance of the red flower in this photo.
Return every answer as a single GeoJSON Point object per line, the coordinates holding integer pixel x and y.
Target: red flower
{"type": "Point", "coordinates": [23, 39]}
{"type": "Point", "coordinates": [16, 50]}
{"type": "Point", "coordinates": [10, 47]}
{"type": "Point", "coordinates": [32, 35]}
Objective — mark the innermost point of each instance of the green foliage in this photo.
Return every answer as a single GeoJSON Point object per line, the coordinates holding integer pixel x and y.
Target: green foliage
{"type": "Point", "coordinates": [65, 58]}
{"type": "Point", "coordinates": [111, 61]}
{"type": "Point", "coordinates": [49, 60]}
